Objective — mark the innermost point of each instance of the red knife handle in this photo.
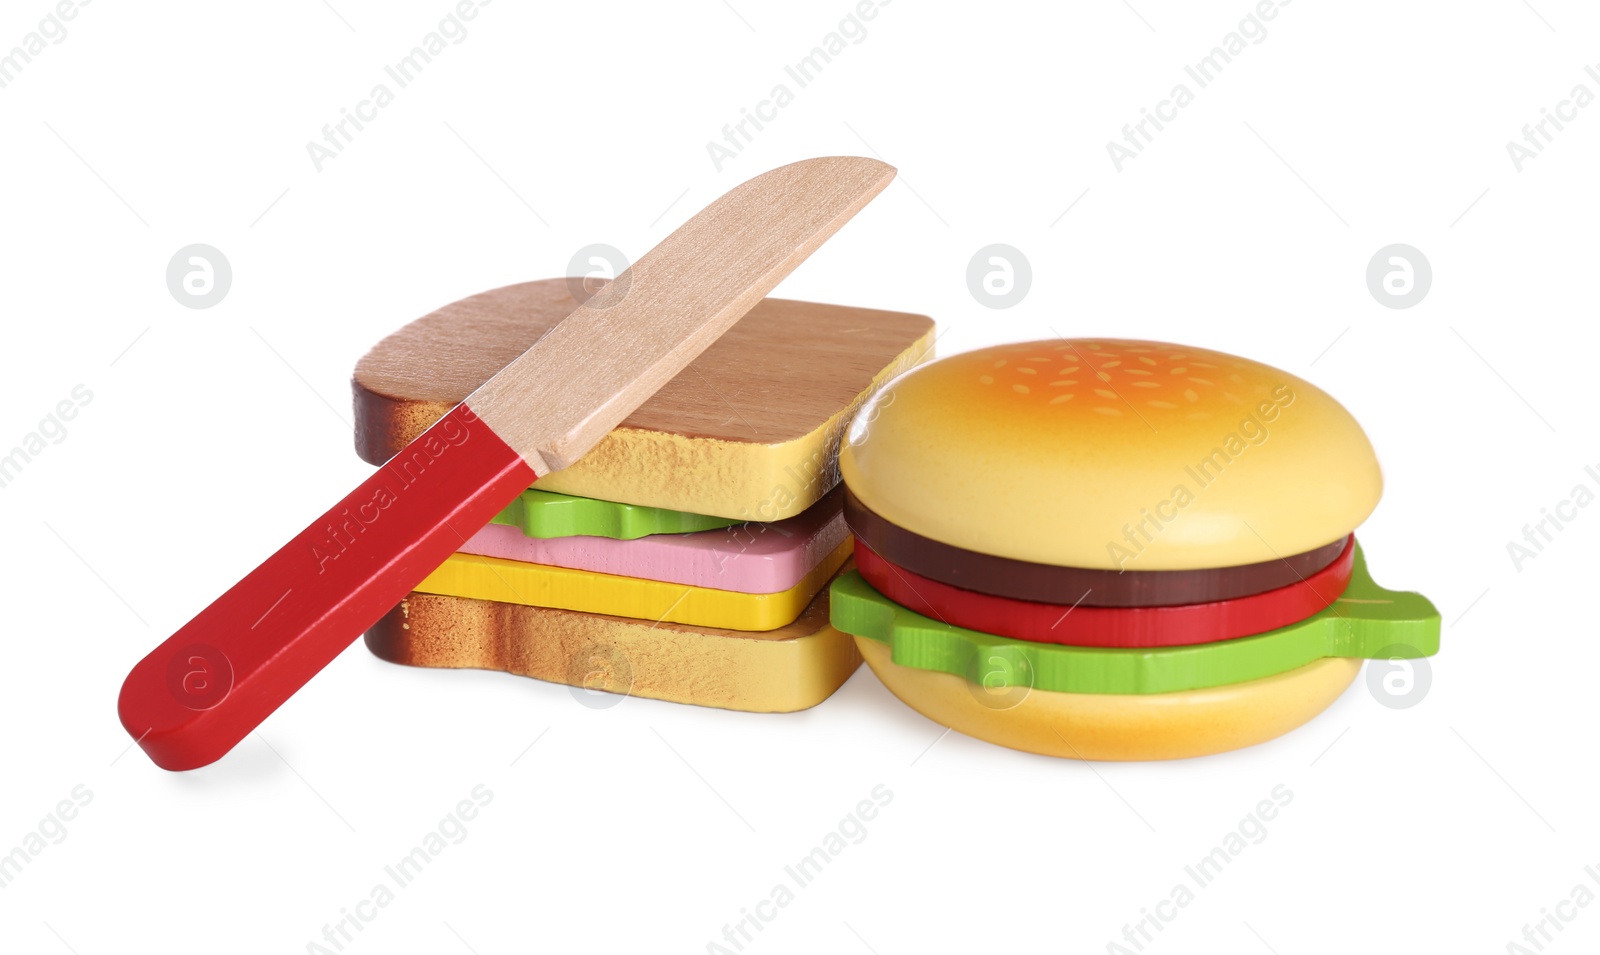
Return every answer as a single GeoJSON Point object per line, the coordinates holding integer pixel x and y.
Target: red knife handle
{"type": "Point", "coordinates": [202, 691]}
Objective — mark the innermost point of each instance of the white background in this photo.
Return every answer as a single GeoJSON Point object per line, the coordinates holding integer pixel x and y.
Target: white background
{"type": "Point", "coordinates": [1245, 226]}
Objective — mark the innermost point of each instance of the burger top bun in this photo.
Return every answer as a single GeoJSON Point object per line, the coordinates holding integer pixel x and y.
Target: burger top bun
{"type": "Point", "coordinates": [1113, 454]}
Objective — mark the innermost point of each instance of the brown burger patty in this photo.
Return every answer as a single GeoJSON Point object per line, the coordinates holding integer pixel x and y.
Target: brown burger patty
{"type": "Point", "coordinates": [1047, 583]}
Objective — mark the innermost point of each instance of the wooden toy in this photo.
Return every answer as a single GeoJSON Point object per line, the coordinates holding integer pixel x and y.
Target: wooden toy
{"type": "Point", "coordinates": [1363, 623]}
{"type": "Point", "coordinates": [1085, 461]}
{"type": "Point", "coordinates": [748, 432]}
{"type": "Point", "coordinates": [206, 687]}
{"type": "Point", "coordinates": [544, 514]}
{"type": "Point", "coordinates": [791, 668]}
{"type": "Point", "coordinates": [1177, 625]}
{"type": "Point", "coordinates": [1048, 583]}
{"type": "Point", "coordinates": [563, 588]}
{"type": "Point", "coordinates": [749, 558]}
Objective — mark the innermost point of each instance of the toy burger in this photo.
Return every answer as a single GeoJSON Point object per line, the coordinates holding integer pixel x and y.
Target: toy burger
{"type": "Point", "coordinates": [1114, 549]}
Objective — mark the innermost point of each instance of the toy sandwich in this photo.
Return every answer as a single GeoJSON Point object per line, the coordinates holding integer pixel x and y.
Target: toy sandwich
{"type": "Point", "coordinates": [686, 556]}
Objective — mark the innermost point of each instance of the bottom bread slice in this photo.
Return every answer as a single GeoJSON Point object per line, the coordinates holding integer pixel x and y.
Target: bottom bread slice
{"type": "Point", "coordinates": [774, 671]}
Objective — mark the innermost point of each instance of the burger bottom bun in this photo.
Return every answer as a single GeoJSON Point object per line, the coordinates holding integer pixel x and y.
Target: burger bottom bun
{"type": "Point", "coordinates": [1118, 726]}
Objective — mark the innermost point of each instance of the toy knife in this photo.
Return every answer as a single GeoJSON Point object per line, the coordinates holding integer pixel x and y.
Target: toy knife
{"type": "Point", "coordinates": [203, 690]}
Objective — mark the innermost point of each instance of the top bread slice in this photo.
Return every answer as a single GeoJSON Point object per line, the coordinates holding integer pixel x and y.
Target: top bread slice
{"type": "Point", "coordinates": [750, 430]}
